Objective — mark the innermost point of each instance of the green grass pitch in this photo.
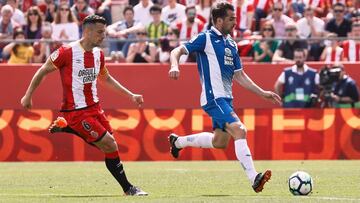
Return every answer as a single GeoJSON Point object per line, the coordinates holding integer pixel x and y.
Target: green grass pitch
{"type": "Point", "coordinates": [177, 181]}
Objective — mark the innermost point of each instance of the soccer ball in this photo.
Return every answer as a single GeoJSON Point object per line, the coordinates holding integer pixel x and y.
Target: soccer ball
{"type": "Point", "coordinates": [300, 183]}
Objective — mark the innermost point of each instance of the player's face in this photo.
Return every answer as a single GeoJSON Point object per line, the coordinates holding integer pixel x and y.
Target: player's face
{"type": "Point", "coordinates": [229, 22]}
{"type": "Point", "coordinates": [97, 34]}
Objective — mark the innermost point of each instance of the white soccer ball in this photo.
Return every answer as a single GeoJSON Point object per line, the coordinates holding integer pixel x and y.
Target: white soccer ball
{"type": "Point", "coordinates": [300, 183]}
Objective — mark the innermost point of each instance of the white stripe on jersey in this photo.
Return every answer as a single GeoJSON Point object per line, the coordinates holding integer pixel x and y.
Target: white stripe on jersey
{"type": "Point", "coordinates": [77, 84]}
{"type": "Point", "coordinates": [215, 72]}
{"type": "Point", "coordinates": [97, 64]}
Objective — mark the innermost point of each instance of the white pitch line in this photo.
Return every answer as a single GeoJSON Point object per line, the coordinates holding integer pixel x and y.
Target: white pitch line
{"type": "Point", "coordinates": [332, 198]}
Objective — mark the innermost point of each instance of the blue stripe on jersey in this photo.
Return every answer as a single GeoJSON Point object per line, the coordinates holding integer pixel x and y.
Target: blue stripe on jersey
{"type": "Point", "coordinates": [217, 60]}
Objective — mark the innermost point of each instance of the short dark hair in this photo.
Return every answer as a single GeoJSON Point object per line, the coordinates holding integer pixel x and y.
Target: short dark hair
{"type": "Point", "coordinates": [339, 4]}
{"type": "Point", "coordinates": [220, 10]}
{"type": "Point", "coordinates": [155, 8]}
{"type": "Point", "coordinates": [300, 50]}
{"type": "Point", "coordinates": [93, 19]}
{"type": "Point", "coordinates": [128, 8]}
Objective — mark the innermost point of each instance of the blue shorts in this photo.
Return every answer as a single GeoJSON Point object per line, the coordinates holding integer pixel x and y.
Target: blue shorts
{"type": "Point", "coordinates": [221, 112]}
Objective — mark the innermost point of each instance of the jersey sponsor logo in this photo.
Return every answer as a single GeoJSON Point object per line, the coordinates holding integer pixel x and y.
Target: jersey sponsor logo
{"type": "Point", "coordinates": [86, 125]}
{"type": "Point", "coordinates": [54, 55]}
{"type": "Point", "coordinates": [88, 75]}
{"type": "Point", "coordinates": [228, 58]}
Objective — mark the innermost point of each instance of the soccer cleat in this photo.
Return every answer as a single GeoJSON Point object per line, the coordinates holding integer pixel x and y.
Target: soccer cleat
{"type": "Point", "coordinates": [135, 191]}
{"type": "Point", "coordinates": [173, 149]}
{"type": "Point", "coordinates": [58, 125]}
{"type": "Point", "coordinates": [260, 180]}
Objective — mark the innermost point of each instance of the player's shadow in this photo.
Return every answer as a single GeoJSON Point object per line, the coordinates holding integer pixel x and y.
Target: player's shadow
{"type": "Point", "coordinates": [86, 196]}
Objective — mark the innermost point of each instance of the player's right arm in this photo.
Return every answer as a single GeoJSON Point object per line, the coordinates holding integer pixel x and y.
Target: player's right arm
{"type": "Point", "coordinates": [196, 44]}
{"type": "Point", "coordinates": [175, 55]}
{"type": "Point", "coordinates": [45, 69]}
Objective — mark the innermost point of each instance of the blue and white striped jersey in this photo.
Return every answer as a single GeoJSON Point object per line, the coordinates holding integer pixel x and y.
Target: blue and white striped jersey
{"type": "Point", "coordinates": [217, 59]}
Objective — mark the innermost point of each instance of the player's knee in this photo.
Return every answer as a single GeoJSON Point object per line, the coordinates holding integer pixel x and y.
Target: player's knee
{"type": "Point", "coordinates": [109, 144]}
{"type": "Point", "coordinates": [220, 144]}
{"type": "Point", "coordinates": [240, 132]}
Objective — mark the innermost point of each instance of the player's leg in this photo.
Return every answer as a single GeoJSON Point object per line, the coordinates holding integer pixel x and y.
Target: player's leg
{"type": "Point", "coordinates": [238, 131]}
{"type": "Point", "coordinates": [108, 145]}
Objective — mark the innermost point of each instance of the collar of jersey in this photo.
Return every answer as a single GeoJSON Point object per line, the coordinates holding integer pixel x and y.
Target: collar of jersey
{"type": "Point", "coordinates": [216, 31]}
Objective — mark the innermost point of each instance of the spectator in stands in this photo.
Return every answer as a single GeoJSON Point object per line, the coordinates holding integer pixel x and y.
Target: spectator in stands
{"type": "Point", "coordinates": [18, 16]}
{"type": "Point", "coordinates": [7, 26]}
{"type": "Point", "coordinates": [124, 29]}
{"type": "Point", "coordinates": [345, 93]}
{"type": "Point", "coordinates": [332, 51]}
{"type": "Point", "coordinates": [173, 12]}
{"type": "Point", "coordinates": [339, 24]}
{"type": "Point", "coordinates": [65, 26]}
{"type": "Point", "coordinates": [297, 83]}
{"type": "Point", "coordinates": [141, 51]}
{"type": "Point", "coordinates": [45, 46]}
{"type": "Point", "coordinates": [32, 29]}
{"type": "Point", "coordinates": [81, 9]}
{"type": "Point", "coordinates": [244, 12]}
{"type": "Point", "coordinates": [50, 10]}
{"type": "Point", "coordinates": [20, 52]}
{"type": "Point", "coordinates": [265, 49]}
{"type": "Point", "coordinates": [142, 12]}
{"type": "Point", "coordinates": [311, 26]}
{"type": "Point", "coordinates": [157, 28]}
{"type": "Point", "coordinates": [319, 7]}
{"type": "Point", "coordinates": [203, 10]}
{"type": "Point", "coordinates": [167, 44]}
{"type": "Point", "coordinates": [329, 4]}
{"type": "Point", "coordinates": [285, 51]}
{"type": "Point", "coordinates": [279, 20]}
{"type": "Point", "coordinates": [191, 25]}
{"type": "Point", "coordinates": [352, 46]}
{"type": "Point", "coordinates": [102, 8]}
{"type": "Point", "coordinates": [262, 9]}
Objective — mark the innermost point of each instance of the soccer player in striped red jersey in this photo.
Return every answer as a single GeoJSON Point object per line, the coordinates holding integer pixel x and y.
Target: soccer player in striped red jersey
{"type": "Point", "coordinates": [81, 64]}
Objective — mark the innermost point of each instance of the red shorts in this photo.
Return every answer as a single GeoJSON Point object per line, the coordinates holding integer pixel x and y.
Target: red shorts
{"type": "Point", "coordinates": [90, 123]}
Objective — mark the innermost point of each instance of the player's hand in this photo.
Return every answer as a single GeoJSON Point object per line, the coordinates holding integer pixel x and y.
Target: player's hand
{"type": "Point", "coordinates": [138, 99]}
{"type": "Point", "coordinates": [174, 72]}
{"type": "Point", "coordinates": [26, 102]}
{"type": "Point", "coordinates": [273, 97]}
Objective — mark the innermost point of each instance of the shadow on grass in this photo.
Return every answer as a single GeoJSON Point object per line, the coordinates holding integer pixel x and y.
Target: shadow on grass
{"type": "Point", "coordinates": [215, 195]}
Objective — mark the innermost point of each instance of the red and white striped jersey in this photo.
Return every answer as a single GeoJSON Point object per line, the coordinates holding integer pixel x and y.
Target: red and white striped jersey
{"type": "Point", "coordinates": [330, 3]}
{"type": "Point", "coordinates": [79, 70]}
{"type": "Point", "coordinates": [315, 3]}
{"type": "Point", "coordinates": [351, 50]}
{"type": "Point", "coordinates": [334, 55]}
{"type": "Point", "coordinates": [188, 32]}
{"type": "Point", "coordinates": [263, 5]}
{"type": "Point", "coordinates": [241, 13]}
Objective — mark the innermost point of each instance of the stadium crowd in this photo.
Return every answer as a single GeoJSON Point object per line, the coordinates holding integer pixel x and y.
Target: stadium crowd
{"type": "Point", "coordinates": [266, 30]}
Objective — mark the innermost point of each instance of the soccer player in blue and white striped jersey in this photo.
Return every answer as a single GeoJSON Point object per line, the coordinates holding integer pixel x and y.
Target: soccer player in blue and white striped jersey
{"type": "Point", "coordinates": [218, 64]}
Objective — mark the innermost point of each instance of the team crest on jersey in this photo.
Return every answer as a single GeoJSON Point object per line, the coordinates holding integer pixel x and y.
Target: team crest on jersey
{"type": "Point", "coordinates": [86, 125]}
{"type": "Point", "coordinates": [291, 80]}
{"type": "Point", "coordinates": [94, 134]}
{"type": "Point", "coordinates": [307, 81]}
{"type": "Point", "coordinates": [54, 55]}
{"type": "Point", "coordinates": [228, 58]}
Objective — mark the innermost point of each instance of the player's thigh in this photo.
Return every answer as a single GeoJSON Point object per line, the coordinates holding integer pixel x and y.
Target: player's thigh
{"type": "Point", "coordinates": [221, 112]}
{"type": "Point", "coordinates": [89, 128]}
{"type": "Point", "coordinates": [107, 143]}
{"type": "Point", "coordinates": [221, 138]}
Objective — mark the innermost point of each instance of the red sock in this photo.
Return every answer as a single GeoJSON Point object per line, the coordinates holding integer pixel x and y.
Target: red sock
{"type": "Point", "coordinates": [112, 155]}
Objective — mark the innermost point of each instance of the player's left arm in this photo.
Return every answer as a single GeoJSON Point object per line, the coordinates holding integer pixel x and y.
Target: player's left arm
{"type": "Point", "coordinates": [112, 83]}
{"type": "Point", "coordinates": [243, 79]}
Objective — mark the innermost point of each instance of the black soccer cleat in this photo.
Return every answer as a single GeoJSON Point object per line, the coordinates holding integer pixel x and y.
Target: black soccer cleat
{"type": "Point", "coordinates": [260, 180]}
{"type": "Point", "coordinates": [173, 149]}
{"type": "Point", "coordinates": [135, 191]}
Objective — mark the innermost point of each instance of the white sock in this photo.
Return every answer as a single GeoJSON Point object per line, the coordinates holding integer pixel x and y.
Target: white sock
{"type": "Point", "coordinates": [203, 140]}
{"type": "Point", "coordinates": [243, 154]}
